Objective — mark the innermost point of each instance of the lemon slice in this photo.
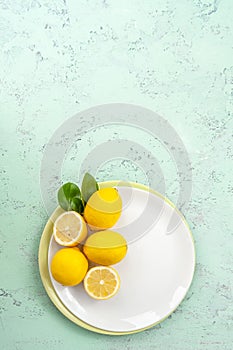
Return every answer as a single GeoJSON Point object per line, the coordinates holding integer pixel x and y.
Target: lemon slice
{"type": "Point", "coordinates": [102, 282]}
{"type": "Point", "coordinates": [69, 229]}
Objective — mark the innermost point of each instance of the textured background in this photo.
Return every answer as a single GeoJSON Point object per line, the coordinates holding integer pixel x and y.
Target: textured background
{"type": "Point", "coordinates": [60, 57]}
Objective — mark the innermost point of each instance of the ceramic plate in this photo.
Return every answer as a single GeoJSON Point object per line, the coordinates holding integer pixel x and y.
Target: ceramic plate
{"type": "Point", "coordinates": [155, 274]}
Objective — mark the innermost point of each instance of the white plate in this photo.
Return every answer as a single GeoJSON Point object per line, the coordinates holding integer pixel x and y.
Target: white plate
{"type": "Point", "coordinates": [155, 274]}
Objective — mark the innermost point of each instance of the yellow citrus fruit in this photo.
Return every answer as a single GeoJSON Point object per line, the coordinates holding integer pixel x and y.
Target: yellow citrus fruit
{"type": "Point", "coordinates": [103, 209]}
{"type": "Point", "coordinates": [69, 266]}
{"type": "Point", "coordinates": [102, 282]}
{"type": "Point", "coordinates": [69, 229]}
{"type": "Point", "coordinates": [105, 247]}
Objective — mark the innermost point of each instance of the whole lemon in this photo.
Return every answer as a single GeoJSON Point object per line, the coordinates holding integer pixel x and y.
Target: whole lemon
{"type": "Point", "coordinates": [69, 266]}
{"type": "Point", "coordinates": [103, 209]}
{"type": "Point", "coordinates": [105, 247]}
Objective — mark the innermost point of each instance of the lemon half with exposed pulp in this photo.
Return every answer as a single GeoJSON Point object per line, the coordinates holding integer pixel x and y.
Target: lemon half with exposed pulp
{"type": "Point", "coordinates": [102, 282]}
{"type": "Point", "coordinates": [69, 229]}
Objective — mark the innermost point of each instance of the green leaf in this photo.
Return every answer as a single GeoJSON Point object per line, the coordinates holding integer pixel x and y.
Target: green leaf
{"type": "Point", "coordinates": [77, 205]}
{"type": "Point", "coordinates": [66, 195]}
{"type": "Point", "coordinates": [89, 186]}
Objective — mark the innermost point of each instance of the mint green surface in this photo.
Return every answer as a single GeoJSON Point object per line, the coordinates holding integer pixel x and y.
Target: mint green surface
{"type": "Point", "coordinates": [60, 57]}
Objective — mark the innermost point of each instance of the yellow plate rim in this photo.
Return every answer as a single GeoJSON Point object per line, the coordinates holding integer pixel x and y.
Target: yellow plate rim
{"type": "Point", "coordinates": [44, 271]}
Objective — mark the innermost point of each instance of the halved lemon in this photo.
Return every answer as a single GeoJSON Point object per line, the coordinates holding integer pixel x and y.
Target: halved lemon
{"type": "Point", "coordinates": [69, 229]}
{"type": "Point", "coordinates": [102, 282]}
